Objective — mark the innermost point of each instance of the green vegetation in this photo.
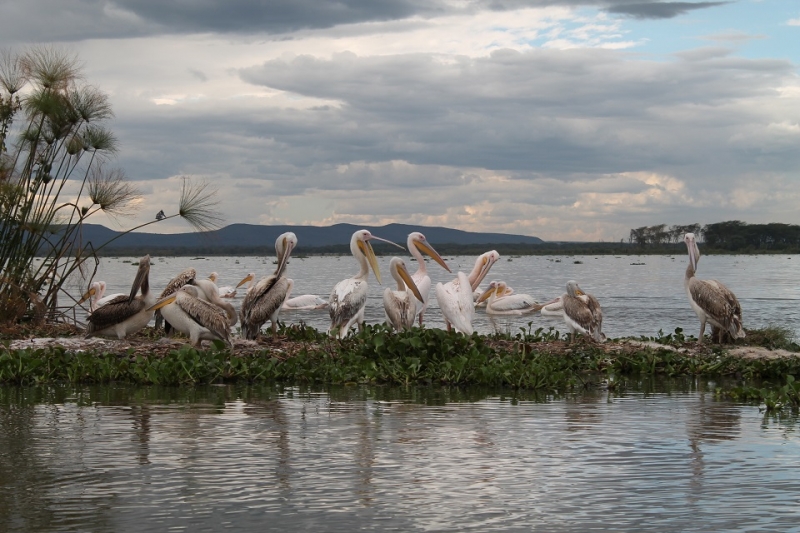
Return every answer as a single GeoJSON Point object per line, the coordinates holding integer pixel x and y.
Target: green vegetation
{"type": "Point", "coordinates": [530, 360]}
{"type": "Point", "coordinates": [53, 178]}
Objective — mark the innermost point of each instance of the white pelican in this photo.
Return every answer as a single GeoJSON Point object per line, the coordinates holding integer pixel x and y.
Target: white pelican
{"type": "Point", "coordinates": [305, 302]}
{"type": "Point", "coordinates": [416, 244]}
{"type": "Point", "coordinates": [187, 276]}
{"type": "Point", "coordinates": [455, 297]}
{"type": "Point", "coordinates": [553, 309]}
{"type": "Point", "coordinates": [263, 302]}
{"type": "Point", "coordinates": [582, 313]}
{"type": "Point", "coordinates": [228, 291]}
{"type": "Point", "coordinates": [97, 295]}
{"type": "Point", "coordinates": [349, 297]}
{"type": "Point", "coordinates": [247, 282]}
{"type": "Point", "coordinates": [125, 314]}
{"type": "Point", "coordinates": [210, 293]}
{"type": "Point", "coordinates": [196, 318]}
{"type": "Point", "coordinates": [503, 301]}
{"type": "Point", "coordinates": [401, 304]}
{"type": "Point", "coordinates": [711, 300]}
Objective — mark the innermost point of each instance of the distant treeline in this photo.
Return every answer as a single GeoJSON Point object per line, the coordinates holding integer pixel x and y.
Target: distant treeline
{"type": "Point", "coordinates": [730, 236]}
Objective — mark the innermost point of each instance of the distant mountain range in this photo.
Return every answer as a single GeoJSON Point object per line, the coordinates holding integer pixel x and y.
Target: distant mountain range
{"type": "Point", "coordinates": [244, 238]}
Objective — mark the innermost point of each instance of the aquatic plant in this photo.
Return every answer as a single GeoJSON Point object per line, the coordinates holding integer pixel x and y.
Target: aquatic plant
{"type": "Point", "coordinates": [54, 177]}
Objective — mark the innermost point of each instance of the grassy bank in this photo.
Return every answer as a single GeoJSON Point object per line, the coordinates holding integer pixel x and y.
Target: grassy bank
{"type": "Point", "coordinates": [533, 359]}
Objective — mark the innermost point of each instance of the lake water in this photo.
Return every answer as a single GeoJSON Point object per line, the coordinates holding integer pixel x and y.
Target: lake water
{"type": "Point", "coordinates": [664, 456]}
{"type": "Point", "coordinates": [640, 295]}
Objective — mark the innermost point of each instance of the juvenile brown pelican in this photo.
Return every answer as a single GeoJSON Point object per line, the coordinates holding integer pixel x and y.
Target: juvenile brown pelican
{"type": "Point", "coordinates": [349, 297]}
{"type": "Point", "coordinates": [455, 297]}
{"type": "Point", "coordinates": [711, 300]}
{"type": "Point", "coordinates": [305, 302]}
{"type": "Point", "coordinates": [190, 315]}
{"type": "Point", "coordinates": [185, 277]}
{"type": "Point", "coordinates": [263, 302]}
{"type": "Point", "coordinates": [582, 313]}
{"type": "Point", "coordinates": [416, 244]}
{"type": "Point", "coordinates": [125, 314]}
{"type": "Point", "coordinates": [503, 301]}
{"type": "Point", "coordinates": [401, 304]}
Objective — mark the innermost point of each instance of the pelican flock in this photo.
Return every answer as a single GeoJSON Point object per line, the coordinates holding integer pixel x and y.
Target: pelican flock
{"type": "Point", "coordinates": [196, 308]}
{"type": "Point", "coordinates": [712, 301]}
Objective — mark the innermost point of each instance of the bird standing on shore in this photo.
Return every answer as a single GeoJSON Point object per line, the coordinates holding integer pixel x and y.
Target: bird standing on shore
{"type": "Point", "coordinates": [195, 318]}
{"type": "Point", "coordinates": [501, 300]}
{"type": "Point", "coordinates": [582, 313]}
{"type": "Point", "coordinates": [712, 301]}
{"type": "Point", "coordinates": [400, 304]}
{"type": "Point", "coordinates": [349, 297]}
{"type": "Point", "coordinates": [264, 301]}
{"type": "Point", "coordinates": [125, 314]}
{"type": "Point", "coordinates": [417, 243]}
{"type": "Point", "coordinates": [455, 297]}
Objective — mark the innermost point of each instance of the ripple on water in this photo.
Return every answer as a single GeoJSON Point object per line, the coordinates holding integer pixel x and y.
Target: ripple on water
{"type": "Point", "coordinates": [641, 462]}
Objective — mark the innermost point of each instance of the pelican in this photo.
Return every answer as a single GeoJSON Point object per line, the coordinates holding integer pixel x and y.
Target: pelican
{"type": "Point", "coordinates": [305, 302]}
{"type": "Point", "coordinates": [97, 295]}
{"type": "Point", "coordinates": [711, 300]}
{"type": "Point", "coordinates": [196, 318]}
{"type": "Point", "coordinates": [416, 244]}
{"type": "Point", "coordinates": [400, 305]}
{"type": "Point", "coordinates": [349, 297]}
{"type": "Point", "coordinates": [263, 302]}
{"type": "Point", "coordinates": [227, 291]}
{"type": "Point", "coordinates": [455, 297]}
{"type": "Point", "coordinates": [125, 314]}
{"type": "Point", "coordinates": [503, 301]}
{"type": "Point", "coordinates": [554, 308]}
{"type": "Point", "coordinates": [247, 282]}
{"type": "Point", "coordinates": [582, 313]}
{"type": "Point", "coordinates": [187, 276]}
{"type": "Point", "coordinates": [210, 293]}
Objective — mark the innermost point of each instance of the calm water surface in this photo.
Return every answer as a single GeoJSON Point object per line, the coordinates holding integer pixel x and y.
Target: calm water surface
{"type": "Point", "coordinates": [640, 295]}
{"type": "Point", "coordinates": [657, 457]}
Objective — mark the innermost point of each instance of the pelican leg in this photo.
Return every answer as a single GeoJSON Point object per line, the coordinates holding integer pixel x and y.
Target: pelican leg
{"type": "Point", "coordinates": [420, 319]}
{"type": "Point", "coordinates": [702, 331]}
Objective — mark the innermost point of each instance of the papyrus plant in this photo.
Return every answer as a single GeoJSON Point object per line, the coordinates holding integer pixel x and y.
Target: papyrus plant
{"type": "Point", "coordinates": [54, 176]}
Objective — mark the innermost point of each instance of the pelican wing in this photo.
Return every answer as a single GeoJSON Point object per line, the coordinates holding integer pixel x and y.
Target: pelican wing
{"type": "Point", "coordinates": [178, 281]}
{"type": "Point", "coordinates": [718, 303]}
{"type": "Point", "coordinates": [261, 302]}
{"type": "Point", "coordinates": [513, 304]}
{"type": "Point", "coordinates": [456, 303]}
{"type": "Point", "coordinates": [584, 313]}
{"type": "Point", "coordinates": [114, 312]}
{"type": "Point", "coordinates": [207, 315]}
{"type": "Point", "coordinates": [347, 299]}
{"type": "Point", "coordinates": [400, 307]}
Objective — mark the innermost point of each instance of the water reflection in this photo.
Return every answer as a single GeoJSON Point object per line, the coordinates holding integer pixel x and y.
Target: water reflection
{"type": "Point", "coordinates": [380, 458]}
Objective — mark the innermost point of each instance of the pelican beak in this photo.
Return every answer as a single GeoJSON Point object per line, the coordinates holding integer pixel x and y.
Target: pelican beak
{"type": "Point", "coordinates": [288, 246]}
{"type": "Point", "coordinates": [91, 292]}
{"type": "Point", "coordinates": [163, 302]}
{"type": "Point", "coordinates": [428, 249]}
{"type": "Point", "coordinates": [406, 277]}
{"type": "Point", "coordinates": [693, 253]}
{"type": "Point", "coordinates": [247, 278]}
{"type": "Point", "coordinates": [486, 295]}
{"type": "Point", "coordinates": [487, 264]}
{"type": "Point", "coordinates": [579, 292]}
{"type": "Point", "coordinates": [366, 249]}
{"type": "Point", "coordinates": [141, 275]}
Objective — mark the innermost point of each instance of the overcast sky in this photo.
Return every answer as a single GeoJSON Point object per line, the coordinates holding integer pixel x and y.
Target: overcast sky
{"type": "Point", "coordinates": [563, 119]}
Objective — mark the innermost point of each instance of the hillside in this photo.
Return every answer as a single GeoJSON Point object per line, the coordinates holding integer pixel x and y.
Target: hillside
{"type": "Point", "coordinates": [251, 238]}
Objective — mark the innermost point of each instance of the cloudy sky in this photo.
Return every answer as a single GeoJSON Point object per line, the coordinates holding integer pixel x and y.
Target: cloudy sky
{"type": "Point", "coordinates": [563, 119]}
